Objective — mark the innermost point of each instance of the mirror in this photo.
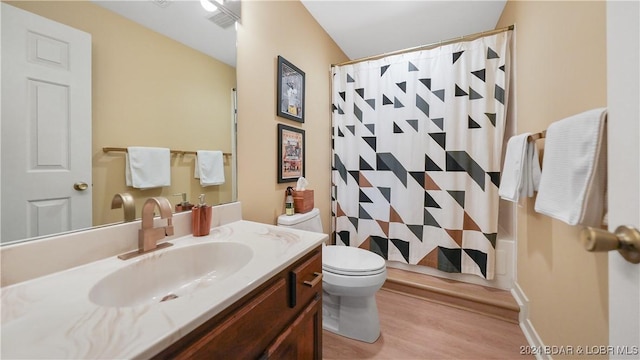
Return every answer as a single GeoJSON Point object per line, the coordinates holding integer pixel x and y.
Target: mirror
{"type": "Point", "coordinates": [149, 89]}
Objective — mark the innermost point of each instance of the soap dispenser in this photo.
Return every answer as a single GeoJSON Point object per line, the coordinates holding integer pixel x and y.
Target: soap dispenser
{"type": "Point", "coordinates": [185, 205]}
{"type": "Point", "coordinates": [201, 218]}
{"type": "Point", "coordinates": [288, 202]}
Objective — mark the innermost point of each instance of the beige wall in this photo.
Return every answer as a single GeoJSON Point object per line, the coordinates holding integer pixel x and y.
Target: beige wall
{"type": "Point", "coordinates": [561, 70]}
{"type": "Point", "coordinates": [269, 29]}
{"type": "Point", "coordinates": [147, 90]}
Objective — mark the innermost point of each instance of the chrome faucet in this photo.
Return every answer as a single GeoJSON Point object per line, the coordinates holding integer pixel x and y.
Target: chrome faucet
{"type": "Point", "coordinates": [148, 236]}
{"type": "Point", "coordinates": [125, 201]}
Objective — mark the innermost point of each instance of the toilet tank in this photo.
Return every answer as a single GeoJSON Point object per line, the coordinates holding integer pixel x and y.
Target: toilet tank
{"type": "Point", "coordinates": [309, 221]}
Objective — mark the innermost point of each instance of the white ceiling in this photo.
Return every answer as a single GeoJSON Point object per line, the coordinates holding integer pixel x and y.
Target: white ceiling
{"type": "Point", "coordinates": [363, 28]}
{"type": "Point", "coordinates": [360, 27]}
{"type": "Point", "coordinates": [182, 20]}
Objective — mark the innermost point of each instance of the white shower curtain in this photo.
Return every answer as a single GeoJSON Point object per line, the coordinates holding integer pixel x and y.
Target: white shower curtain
{"type": "Point", "coordinates": [417, 141]}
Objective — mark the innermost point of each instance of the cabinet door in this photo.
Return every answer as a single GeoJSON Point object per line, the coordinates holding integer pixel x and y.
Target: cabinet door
{"type": "Point", "coordinates": [245, 333]}
{"type": "Point", "coordinates": [303, 338]}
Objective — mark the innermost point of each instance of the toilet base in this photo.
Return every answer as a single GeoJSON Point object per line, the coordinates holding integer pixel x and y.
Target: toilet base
{"type": "Point", "coordinates": [355, 317]}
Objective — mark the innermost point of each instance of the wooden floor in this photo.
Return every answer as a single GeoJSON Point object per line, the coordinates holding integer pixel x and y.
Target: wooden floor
{"type": "Point", "coordinates": [413, 328]}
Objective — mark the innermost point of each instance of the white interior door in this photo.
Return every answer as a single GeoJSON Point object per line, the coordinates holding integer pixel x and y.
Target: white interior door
{"type": "Point", "coordinates": [623, 102]}
{"type": "Point", "coordinates": [46, 126]}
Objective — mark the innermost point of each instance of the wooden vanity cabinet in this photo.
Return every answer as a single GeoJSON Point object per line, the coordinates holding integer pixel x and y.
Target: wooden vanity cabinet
{"type": "Point", "coordinates": [281, 319]}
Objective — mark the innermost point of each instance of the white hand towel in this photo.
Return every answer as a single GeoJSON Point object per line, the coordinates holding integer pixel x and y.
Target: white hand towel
{"type": "Point", "coordinates": [209, 167]}
{"type": "Point", "coordinates": [521, 170]}
{"type": "Point", "coordinates": [533, 171]}
{"type": "Point", "coordinates": [148, 167]}
{"type": "Point", "coordinates": [573, 182]}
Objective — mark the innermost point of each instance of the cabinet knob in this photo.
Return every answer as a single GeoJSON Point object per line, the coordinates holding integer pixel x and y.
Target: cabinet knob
{"type": "Point", "coordinates": [625, 239]}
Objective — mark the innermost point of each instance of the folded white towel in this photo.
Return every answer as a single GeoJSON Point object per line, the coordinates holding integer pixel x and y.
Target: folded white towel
{"type": "Point", "coordinates": [573, 182]}
{"type": "Point", "coordinates": [521, 170]}
{"type": "Point", "coordinates": [148, 167]}
{"type": "Point", "coordinates": [209, 167]}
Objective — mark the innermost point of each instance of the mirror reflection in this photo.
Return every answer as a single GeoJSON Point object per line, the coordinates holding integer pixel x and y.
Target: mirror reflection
{"type": "Point", "coordinates": [145, 89]}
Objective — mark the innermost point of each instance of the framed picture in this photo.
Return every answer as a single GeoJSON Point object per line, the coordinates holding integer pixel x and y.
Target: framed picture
{"type": "Point", "coordinates": [290, 91]}
{"type": "Point", "coordinates": [290, 153]}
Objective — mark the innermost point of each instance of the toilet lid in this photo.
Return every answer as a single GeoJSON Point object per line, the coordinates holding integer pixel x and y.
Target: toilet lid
{"type": "Point", "coordinates": [347, 260]}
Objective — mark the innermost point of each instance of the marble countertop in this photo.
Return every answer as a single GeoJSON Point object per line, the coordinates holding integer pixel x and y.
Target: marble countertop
{"type": "Point", "coordinates": [53, 317]}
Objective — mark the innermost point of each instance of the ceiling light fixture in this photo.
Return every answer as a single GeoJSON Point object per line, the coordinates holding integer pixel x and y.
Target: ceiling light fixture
{"type": "Point", "coordinates": [223, 13]}
{"type": "Point", "coordinates": [209, 5]}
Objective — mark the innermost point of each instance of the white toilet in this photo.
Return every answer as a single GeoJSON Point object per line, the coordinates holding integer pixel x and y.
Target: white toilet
{"type": "Point", "coordinates": [350, 278]}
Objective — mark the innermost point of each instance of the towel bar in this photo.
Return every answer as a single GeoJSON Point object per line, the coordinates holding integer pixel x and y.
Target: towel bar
{"type": "Point", "coordinates": [537, 136]}
{"type": "Point", "coordinates": [107, 149]}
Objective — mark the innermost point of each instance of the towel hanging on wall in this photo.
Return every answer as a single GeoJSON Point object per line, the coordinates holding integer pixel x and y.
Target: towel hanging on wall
{"type": "Point", "coordinates": [209, 167]}
{"type": "Point", "coordinates": [147, 167]}
{"type": "Point", "coordinates": [573, 181]}
{"type": "Point", "coordinates": [521, 170]}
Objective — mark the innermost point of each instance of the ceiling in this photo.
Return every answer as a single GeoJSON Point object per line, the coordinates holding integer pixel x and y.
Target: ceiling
{"type": "Point", "coordinates": [364, 28]}
{"type": "Point", "coordinates": [185, 21]}
{"type": "Point", "coordinates": [360, 27]}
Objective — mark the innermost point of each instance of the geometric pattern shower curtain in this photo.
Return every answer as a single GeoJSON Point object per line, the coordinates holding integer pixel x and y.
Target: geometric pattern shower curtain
{"type": "Point", "coordinates": [417, 143]}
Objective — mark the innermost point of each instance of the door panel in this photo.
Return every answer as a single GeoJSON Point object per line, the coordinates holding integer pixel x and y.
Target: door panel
{"type": "Point", "coordinates": [46, 126]}
{"type": "Point", "coordinates": [623, 78]}
{"type": "Point", "coordinates": [48, 131]}
{"type": "Point", "coordinates": [47, 51]}
{"type": "Point", "coordinates": [49, 216]}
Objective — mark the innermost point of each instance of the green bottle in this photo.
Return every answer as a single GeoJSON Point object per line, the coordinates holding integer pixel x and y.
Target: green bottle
{"type": "Point", "coordinates": [288, 203]}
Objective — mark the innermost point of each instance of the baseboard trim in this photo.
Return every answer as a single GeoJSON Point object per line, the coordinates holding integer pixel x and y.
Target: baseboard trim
{"type": "Point", "coordinates": [529, 331]}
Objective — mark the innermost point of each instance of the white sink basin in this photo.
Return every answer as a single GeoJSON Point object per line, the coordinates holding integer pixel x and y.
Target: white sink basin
{"type": "Point", "coordinates": [170, 274]}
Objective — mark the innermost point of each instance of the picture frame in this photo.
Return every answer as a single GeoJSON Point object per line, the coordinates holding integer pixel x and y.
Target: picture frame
{"type": "Point", "coordinates": [291, 153]}
{"type": "Point", "coordinates": [291, 96]}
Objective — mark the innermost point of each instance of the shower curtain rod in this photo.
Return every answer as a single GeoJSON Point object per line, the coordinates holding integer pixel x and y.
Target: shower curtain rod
{"type": "Point", "coordinates": [429, 46]}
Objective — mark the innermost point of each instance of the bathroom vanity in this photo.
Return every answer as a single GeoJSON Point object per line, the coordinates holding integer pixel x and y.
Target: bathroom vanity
{"type": "Point", "coordinates": [282, 319]}
{"type": "Point", "coordinates": [247, 290]}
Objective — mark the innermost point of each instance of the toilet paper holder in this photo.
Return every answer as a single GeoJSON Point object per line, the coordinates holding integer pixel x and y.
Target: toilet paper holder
{"type": "Point", "coordinates": [625, 239]}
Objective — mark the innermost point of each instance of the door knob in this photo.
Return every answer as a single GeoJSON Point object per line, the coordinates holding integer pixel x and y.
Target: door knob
{"type": "Point", "coordinates": [80, 186]}
{"type": "Point", "coordinates": [625, 239]}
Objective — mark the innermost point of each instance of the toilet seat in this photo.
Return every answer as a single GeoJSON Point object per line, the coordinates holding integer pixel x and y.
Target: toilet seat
{"type": "Point", "coordinates": [347, 273]}
{"type": "Point", "coordinates": [351, 261]}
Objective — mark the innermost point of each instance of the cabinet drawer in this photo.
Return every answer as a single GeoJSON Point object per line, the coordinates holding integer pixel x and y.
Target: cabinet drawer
{"type": "Point", "coordinates": [243, 334]}
{"type": "Point", "coordinates": [305, 280]}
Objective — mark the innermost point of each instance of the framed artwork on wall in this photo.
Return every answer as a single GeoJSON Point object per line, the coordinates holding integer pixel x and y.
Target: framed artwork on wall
{"type": "Point", "coordinates": [290, 91]}
{"type": "Point", "coordinates": [290, 153]}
